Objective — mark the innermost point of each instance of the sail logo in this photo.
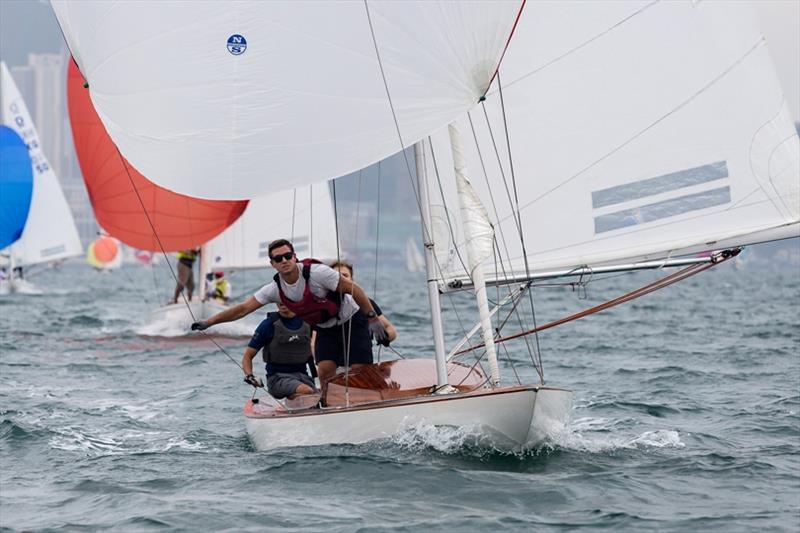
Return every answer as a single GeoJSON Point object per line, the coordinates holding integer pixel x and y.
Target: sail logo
{"type": "Point", "coordinates": [668, 195]}
{"type": "Point", "coordinates": [237, 44]}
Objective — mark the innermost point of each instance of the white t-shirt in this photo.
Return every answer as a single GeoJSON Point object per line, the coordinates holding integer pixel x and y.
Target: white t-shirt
{"type": "Point", "coordinates": [322, 279]}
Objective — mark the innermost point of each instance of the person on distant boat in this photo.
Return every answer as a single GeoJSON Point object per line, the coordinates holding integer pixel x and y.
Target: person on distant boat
{"type": "Point", "coordinates": [345, 269]}
{"type": "Point", "coordinates": [186, 259]}
{"type": "Point", "coordinates": [219, 288]}
{"type": "Point", "coordinates": [286, 342]}
{"type": "Point", "coordinates": [323, 298]}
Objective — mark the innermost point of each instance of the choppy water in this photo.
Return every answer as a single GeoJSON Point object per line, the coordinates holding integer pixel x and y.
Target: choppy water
{"type": "Point", "coordinates": [686, 419]}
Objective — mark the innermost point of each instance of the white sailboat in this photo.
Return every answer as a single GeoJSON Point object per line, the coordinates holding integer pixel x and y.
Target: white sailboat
{"type": "Point", "coordinates": [414, 260]}
{"type": "Point", "coordinates": [50, 233]}
{"type": "Point", "coordinates": [626, 135]}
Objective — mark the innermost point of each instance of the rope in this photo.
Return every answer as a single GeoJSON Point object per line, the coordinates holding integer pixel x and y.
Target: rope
{"type": "Point", "coordinates": [647, 289]}
{"type": "Point", "coordinates": [166, 257]}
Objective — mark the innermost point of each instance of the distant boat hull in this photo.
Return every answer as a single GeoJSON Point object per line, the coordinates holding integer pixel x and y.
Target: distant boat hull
{"type": "Point", "coordinates": [179, 313]}
{"type": "Point", "coordinates": [509, 419]}
{"type": "Point", "coordinates": [18, 286]}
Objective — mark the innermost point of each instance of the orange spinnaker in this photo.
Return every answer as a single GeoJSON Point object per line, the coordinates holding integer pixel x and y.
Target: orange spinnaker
{"type": "Point", "coordinates": [181, 222]}
{"type": "Point", "coordinates": [105, 249]}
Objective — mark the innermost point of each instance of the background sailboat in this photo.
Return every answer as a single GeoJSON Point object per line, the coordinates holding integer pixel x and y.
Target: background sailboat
{"type": "Point", "coordinates": [16, 186]}
{"type": "Point", "coordinates": [50, 233]}
{"type": "Point", "coordinates": [645, 158]}
{"type": "Point", "coordinates": [133, 209]}
{"type": "Point", "coordinates": [414, 260]}
{"type": "Point", "coordinates": [104, 253]}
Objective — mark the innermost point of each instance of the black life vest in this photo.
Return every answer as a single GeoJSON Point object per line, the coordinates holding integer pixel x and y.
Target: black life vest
{"type": "Point", "coordinates": [288, 346]}
{"type": "Point", "coordinates": [312, 308]}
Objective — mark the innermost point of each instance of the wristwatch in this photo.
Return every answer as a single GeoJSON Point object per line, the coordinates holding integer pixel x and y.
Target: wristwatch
{"type": "Point", "coordinates": [371, 314]}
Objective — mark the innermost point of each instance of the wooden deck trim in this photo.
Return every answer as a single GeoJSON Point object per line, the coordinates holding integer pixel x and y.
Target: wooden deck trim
{"type": "Point", "coordinates": [400, 402]}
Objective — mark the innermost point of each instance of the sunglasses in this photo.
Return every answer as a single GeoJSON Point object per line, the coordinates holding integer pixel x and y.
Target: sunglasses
{"type": "Point", "coordinates": [280, 257]}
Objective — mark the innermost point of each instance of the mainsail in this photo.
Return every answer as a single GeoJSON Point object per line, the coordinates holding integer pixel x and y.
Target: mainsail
{"type": "Point", "coordinates": [16, 186]}
{"type": "Point", "coordinates": [126, 203]}
{"type": "Point", "coordinates": [240, 99]}
{"type": "Point", "coordinates": [638, 131]}
{"type": "Point", "coordinates": [50, 231]}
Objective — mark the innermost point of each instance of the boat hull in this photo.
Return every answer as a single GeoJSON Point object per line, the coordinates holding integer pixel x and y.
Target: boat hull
{"type": "Point", "coordinates": [509, 419]}
{"type": "Point", "coordinates": [179, 312]}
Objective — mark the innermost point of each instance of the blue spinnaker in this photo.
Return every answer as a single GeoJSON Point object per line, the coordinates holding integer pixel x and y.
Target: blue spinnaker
{"type": "Point", "coordinates": [16, 185]}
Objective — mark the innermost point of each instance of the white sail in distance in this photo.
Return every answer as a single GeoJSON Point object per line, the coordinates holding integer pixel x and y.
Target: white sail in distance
{"type": "Point", "coordinates": [239, 99]}
{"type": "Point", "coordinates": [50, 233]}
{"type": "Point", "coordinates": [305, 216]}
{"type": "Point", "coordinates": [637, 131]}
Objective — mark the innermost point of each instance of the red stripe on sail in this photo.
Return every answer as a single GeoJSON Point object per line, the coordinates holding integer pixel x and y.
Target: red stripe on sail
{"type": "Point", "coordinates": [181, 222]}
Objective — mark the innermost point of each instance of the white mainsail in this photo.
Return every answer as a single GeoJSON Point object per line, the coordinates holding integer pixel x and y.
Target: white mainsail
{"type": "Point", "coordinates": [253, 97]}
{"type": "Point", "coordinates": [638, 131]}
{"type": "Point", "coordinates": [305, 216]}
{"type": "Point", "coordinates": [50, 231]}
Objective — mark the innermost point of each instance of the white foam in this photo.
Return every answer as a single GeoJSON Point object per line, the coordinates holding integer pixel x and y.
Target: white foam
{"type": "Point", "coordinates": [595, 435]}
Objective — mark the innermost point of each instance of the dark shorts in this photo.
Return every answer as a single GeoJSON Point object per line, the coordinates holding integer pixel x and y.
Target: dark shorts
{"type": "Point", "coordinates": [283, 384]}
{"type": "Point", "coordinates": [331, 344]}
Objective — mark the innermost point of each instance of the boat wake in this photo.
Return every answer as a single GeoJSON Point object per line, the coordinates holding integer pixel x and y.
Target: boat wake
{"type": "Point", "coordinates": [178, 327]}
{"type": "Point", "coordinates": [597, 435]}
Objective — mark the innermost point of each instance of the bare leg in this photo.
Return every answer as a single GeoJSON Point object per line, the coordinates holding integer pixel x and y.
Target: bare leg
{"type": "Point", "coordinates": [301, 389]}
{"type": "Point", "coordinates": [326, 369]}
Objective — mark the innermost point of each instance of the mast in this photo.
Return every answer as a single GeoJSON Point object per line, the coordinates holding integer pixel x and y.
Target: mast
{"type": "Point", "coordinates": [430, 269]}
{"type": "Point", "coordinates": [479, 236]}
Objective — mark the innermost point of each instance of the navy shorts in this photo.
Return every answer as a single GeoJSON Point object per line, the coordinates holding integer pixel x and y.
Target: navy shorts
{"type": "Point", "coordinates": [332, 342]}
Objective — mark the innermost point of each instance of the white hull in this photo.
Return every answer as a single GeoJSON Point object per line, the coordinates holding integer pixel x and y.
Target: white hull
{"type": "Point", "coordinates": [179, 313]}
{"type": "Point", "coordinates": [175, 320]}
{"type": "Point", "coordinates": [509, 419]}
{"type": "Point", "coordinates": [18, 286]}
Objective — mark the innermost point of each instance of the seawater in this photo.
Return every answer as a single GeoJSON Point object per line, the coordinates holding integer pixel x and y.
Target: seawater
{"type": "Point", "coordinates": [685, 418]}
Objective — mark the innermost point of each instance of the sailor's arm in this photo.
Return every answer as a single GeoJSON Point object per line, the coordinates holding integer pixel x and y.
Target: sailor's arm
{"type": "Point", "coordinates": [229, 315]}
{"type": "Point", "coordinates": [348, 286]}
{"type": "Point", "coordinates": [247, 360]}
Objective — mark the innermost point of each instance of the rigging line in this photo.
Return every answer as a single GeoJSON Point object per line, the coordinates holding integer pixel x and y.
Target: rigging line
{"type": "Point", "coordinates": [377, 235]}
{"type": "Point", "coordinates": [435, 258]}
{"type": "Point", "coordinates": [650, 126]}
{"type": "Point", "coordinates": [534, 356]}
{"type": "Point", "coordinates": [585, 43]}
{"type": "Point", "coordinates": [166, 257]}
{"type": "Point", "coordinates": [505, 49]}
{"type": "Point", "coordinates": [294, 210]}
{"type": "Point", "coordinates": [447, 213]}
{"type": "Point", "coordinates": [427, 235]}
{"type": "Point", "coordinates": [488, 186]}
{"type": "Point", "coordinates": [346, 337]}
{"type": "Point", "coordinates": [515, 206]}
{"type": "Point", "coordinates": [425, 229]}
{"type": "Point", "coordinates": [647, 289]}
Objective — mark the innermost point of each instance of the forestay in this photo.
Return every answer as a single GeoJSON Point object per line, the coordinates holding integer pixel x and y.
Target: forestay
{"type": "Point", "coordinates": [305, 216]}
{"type": "Point", "coordinates": [50, 231]}
{"type": "Point", "coordinates": [637, 131]}
{"type": "Point", "coordinates": [238, 99]}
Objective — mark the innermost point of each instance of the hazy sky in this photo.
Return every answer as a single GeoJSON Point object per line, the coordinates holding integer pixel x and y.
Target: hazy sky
{"type": "Point", "coordinates": [30, 26]}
